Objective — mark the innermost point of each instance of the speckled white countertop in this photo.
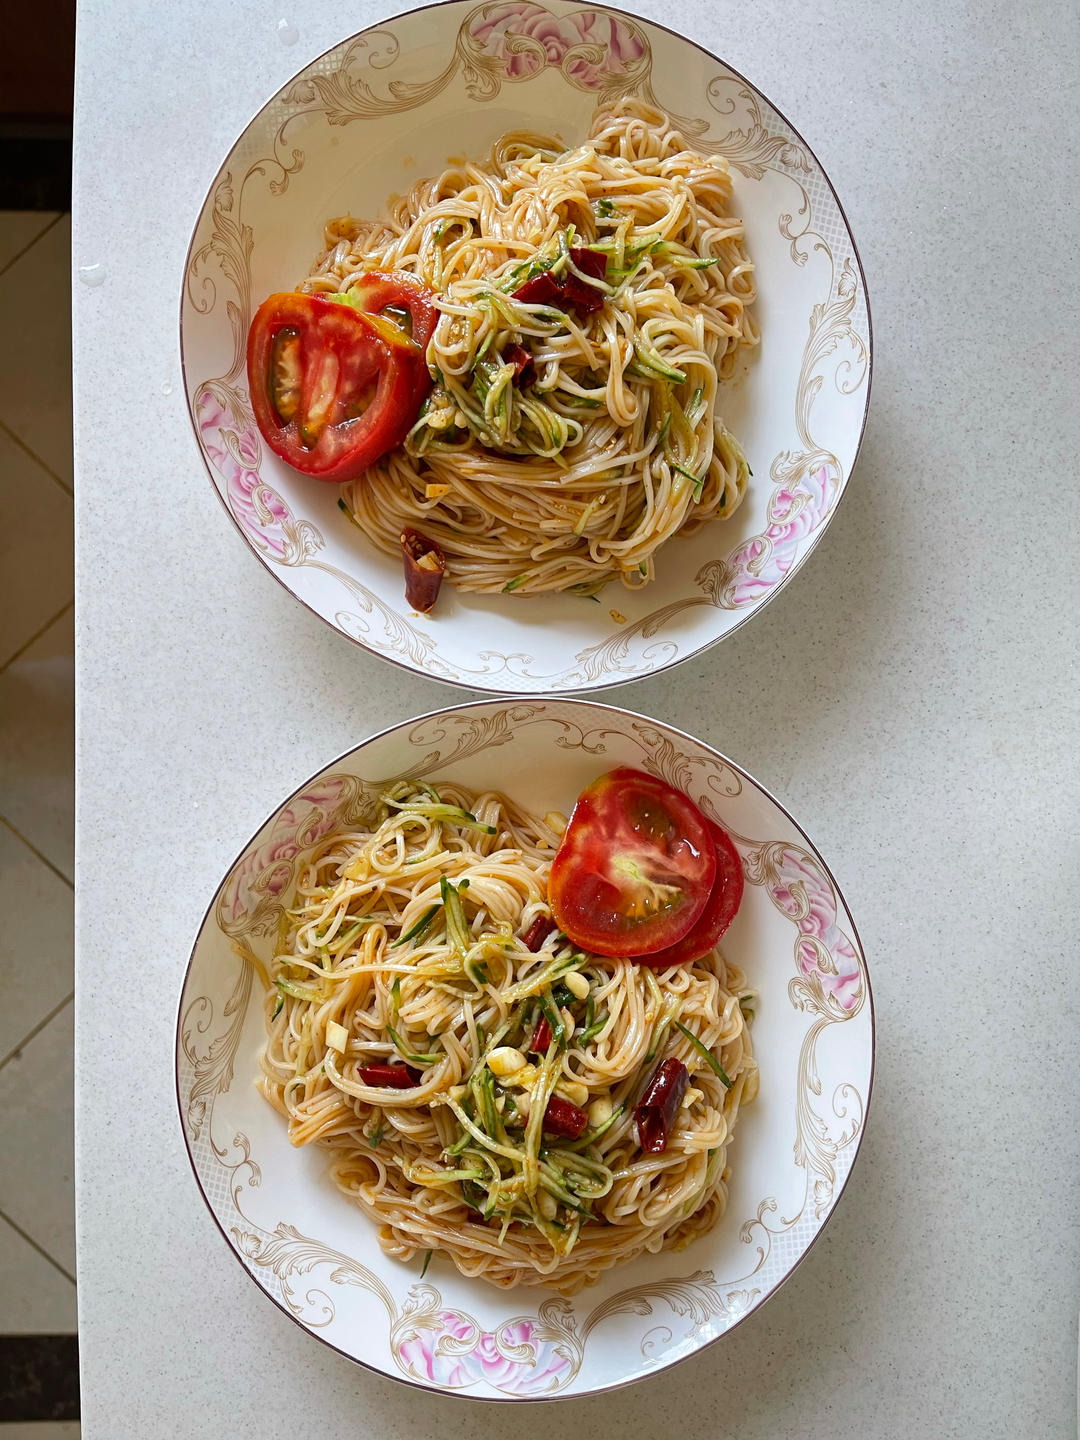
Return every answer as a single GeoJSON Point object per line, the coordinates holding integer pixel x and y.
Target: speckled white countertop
{"type": "Point", "coordinates": [912, 696]}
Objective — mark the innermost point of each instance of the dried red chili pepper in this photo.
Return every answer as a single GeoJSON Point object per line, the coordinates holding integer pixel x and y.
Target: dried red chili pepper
{"type": "Point", "coordinates": [542, 289]}
{"type": "Point", "coordinates": [425, 566]}
{"type": "Point", "coordinates": [522, 361]}
{"type": "Point", "coordinates": [538, 1045]}
{"type": "Point", "coordinates": [659, 1105]}
{"type": "Point", "coordinates": [590, 262]}
{"type": "Point", "coordinates": [562, 1117]}
{"type": "Point", "coordinates": [594, 264]}
{"type": "Point", "coordinates": [393, 1077]}
{"type": "Point", "coordinates": [545, 289]}
{"type": "Point", "coordinates": [538, 932]}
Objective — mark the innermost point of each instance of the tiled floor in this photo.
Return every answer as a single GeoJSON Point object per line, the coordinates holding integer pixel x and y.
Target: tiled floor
{"type": "Point", "coordinates": [47, 1430]}
{"type": "Point", "coordinates": [37, 1218]}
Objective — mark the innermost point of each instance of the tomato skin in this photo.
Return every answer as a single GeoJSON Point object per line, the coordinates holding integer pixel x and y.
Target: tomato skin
{"type": "Point", "coordinates": [343, 356]}
{"type": "Point", "coordinates": [376, 289]}
{"type": "Point", "coordinates": [635, 866]}
{"type": "Point", "coordinates": [720, 909]}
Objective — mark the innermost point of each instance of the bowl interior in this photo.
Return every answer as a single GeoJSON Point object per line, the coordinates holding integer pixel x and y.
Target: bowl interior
{"type": "Point", "coordinates": [317, 1256]}
{"type": "Point", "coordinates": [398, 102]}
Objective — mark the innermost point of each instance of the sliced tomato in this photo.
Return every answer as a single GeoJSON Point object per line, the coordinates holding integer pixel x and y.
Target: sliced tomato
{"type": "Point", "coordinates": [401, 297]}
{"type": "Point", "coordinates": [286, 377]}
{"type": "Point", "coordinates": [635, 866]}
{"type": "Point", "coordinates": [720, 909]}
{"type": "Point", "coordinates": [332, 388]}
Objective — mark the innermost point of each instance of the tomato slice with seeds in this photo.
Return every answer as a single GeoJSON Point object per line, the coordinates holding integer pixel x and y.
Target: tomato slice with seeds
{"type": "Point", "coordinates": [635, 867]}
{"type": "Point", "coordinates": [333, 389]}
{"type": "Point", "coordinates": [286, 377]}
{"type": "Point", "coordinates": [401, 298]}
{"type": "Point", "coordinates": [720, 909]}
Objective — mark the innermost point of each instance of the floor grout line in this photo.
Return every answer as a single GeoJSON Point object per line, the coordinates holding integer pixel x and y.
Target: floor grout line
{"type": "Point", "coordinates": [34, 849]}
{"type": "Point", "coordinates": [67, 489]}
{"type": "Point", "coordinates": [36, 1031]}
{"type": "Point", "coordinates": [31, 243]}
{"type": "Point", "coordinates": [36, 635]}
{"type": "Point", "coordinates": [42, 1252]}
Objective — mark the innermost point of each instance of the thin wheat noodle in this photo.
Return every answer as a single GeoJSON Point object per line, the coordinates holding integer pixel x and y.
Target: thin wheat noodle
{"type": "Point", "coordinates": [448, 999]}
{"type": "Point", "coordinates": [585, 475]}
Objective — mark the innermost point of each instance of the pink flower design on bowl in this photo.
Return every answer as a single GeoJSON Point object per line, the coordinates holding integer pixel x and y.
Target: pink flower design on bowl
{"type": "Point", "coordinates": [541, 26]}
{"type": "Point", "coordinates": [267, 868]}
{"type": "Point", "coordinates": [233, 449]}
{"type": "Point", "coordinates": [497, 26]}
{"type": "Point", "coordinates": [622, 47]}
{"type": "Point", "coordinates": [477, 1356]}
{"type": "Point", "coordinates": [795, 512]}
{"type": "Point", "coordinates": [819, 924]}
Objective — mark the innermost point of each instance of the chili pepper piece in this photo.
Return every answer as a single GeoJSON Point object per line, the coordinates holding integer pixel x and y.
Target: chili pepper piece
{"type": "Point", "coordinates": [590, 262]}
{"type": "Point", "coordinates": [391, 1077]}
{"type": "Point", "coordinates": [586, 297]}
{"type": "Point", "coordinates": [538, 1045]}
{"type": "Point", "coordinates": [538, 932]}
{"type": "Point", "coordinates": [542, 289]}
{"type": "Point", "coordinates": [562, 1117]}
{"type": "Point", "coordinates": [522, 361]}
{"type": "Point", "coordinates": [425, 566]}
{"type": "Point", "coordinates": [659, 1105]}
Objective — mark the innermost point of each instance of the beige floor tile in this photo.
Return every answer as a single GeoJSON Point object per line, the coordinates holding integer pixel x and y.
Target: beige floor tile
{"type": "Point", "coordinates": [19, 229]}
{"type": "Point", "coordinates": [35, 1299]}
{"type": "Point", "coordinates": [36, 567]}
{"type": "Point", "coordinates": [36, 941]}
{"type": "Point", "coordinates": [35, 374]}
{"type": "Point", "coordinates": [37, 743]}
{"type": "Point", "coordinates": [37, 1105]}
{"type": "Point", "coordinates": [46, 1430]}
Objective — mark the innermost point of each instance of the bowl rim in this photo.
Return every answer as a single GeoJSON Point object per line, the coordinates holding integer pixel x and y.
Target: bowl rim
{"type": "Point", "coordinates": [593, 685]}
{"type": "Point", "coordinates": [466, 1395]}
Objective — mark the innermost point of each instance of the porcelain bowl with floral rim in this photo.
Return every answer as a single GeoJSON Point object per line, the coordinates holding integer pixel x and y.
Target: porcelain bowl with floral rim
{"type": "Point", "coordinates": [316, 1255]}
{"type": "Point", "coordinates": [394, 103]}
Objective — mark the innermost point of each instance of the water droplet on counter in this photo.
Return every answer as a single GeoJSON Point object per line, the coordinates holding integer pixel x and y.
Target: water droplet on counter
{"type": "Point", "coordinates": [166, 387]}
{"type": "Point", "coordinates": [93, 274]}
{"type": "Point", "coordinates": [287, 34]}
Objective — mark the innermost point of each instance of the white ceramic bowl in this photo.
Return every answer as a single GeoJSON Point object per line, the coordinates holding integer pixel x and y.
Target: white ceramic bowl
{"type": "Point", "coordinates": [316, 1255]}
{"type": "Point", "coordinates": [392, 104]}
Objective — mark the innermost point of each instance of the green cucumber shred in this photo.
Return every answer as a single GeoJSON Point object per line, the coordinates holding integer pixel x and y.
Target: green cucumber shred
{"type": "Point", "coordinates": [706, 1054]}
{"type": "Point", "coordinates": [415, 931]}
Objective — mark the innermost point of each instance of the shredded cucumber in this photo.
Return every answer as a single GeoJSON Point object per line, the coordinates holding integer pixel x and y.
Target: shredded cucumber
{"type": "Point", "coordinates": [652, 361]}
{"type": "Point", "coordinates": [415, 931]}
{"type": "Point", "coordinates": [457, 928]}
{"type": "Point", "coordinates": [706, 1054]}
{"type": "Point", "coordinates": [407, 1054]}
{"type": "Point", "coordinates": [299, 992]}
